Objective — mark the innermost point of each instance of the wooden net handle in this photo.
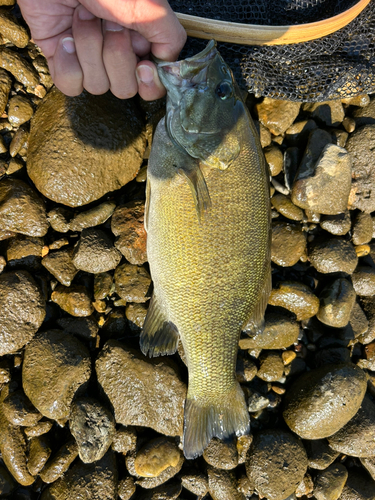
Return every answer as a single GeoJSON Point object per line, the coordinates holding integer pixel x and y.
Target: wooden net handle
{"type": "Point", "coordinates": [252, 34]}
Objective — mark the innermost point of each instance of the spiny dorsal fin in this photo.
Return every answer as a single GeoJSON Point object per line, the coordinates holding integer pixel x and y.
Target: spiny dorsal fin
{"type": "Point", "coordinates": [159, 336]}
{"type": "Point", "coordinates": [198, 188]}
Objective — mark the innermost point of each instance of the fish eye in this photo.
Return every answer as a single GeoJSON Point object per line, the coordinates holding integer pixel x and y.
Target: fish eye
{"type": "Point", "coordinates": [223, 90]}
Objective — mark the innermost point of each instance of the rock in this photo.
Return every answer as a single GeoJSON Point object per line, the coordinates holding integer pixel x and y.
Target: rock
{"type": "Point", "coordinates": [361, 146]}
{"type": "Point", "coordinates": [288, 244]}
{"type": "Point", "coordinates": [124, 440]}
{"type": "Point", "coordinates": [246, 370]}
{"type": "Point", "coordinates": [103, 286]}
{"type": "Point", "coordinates": [22, 310]}
{"type": "Point", "coordinates": [338, 225]}
{"type": "Point", "coordinates": [60, 265]}
{"type": "Point", "coordinates": [369, 465]}
{"type": "Point", "coordinates": [92, 217]}
{"type": "Point", "coordinates": [21, 69]}
{"type": "Point", "coordinates": [95, 252]}
{"type": "Point", "coordinates": [195, 482]}
{"type": "Point", "coordinates": [222, 485]}
{"type": "Point", "coordinates": [330, 483]}
{"type": "Point", "coordinates": [274, 159]}
{"type": "Point", "coordinates": [362, 229]}
{"type": "Point", "coordinates": [156, 456]}
{"type": "Point", "coordinates": [169, 491]}
{"type": "Point", "coordinates": [276, 454]}
{"type": "Point", "coordinates": [305, 487]}
{"type": "Point", "coordinates": [136, 315]}
{"type": "Point", "coordinates": [256, 402]}
{"type": "Point", "coordinates": [7, 483]}
{"type": "Point", "coordinates": [60, 462]}
{"type": "Point", "coordinates": [21, 209]}
{"type": "Point", "coordinates": [271, 367]}
{"type": "Point", "coordinates": [5, 86]}
{"type": "Point", "coordinates": [96, 154]}
{"type": "Point", "coordinates": [145, 392]}
{"type": "Point", "coordinates": [19, 143]}
{"type": "Point", "coordinates": [96, 481]}
{"type": "Point", "coordinates": [284, 205]}
{"type": "Point", "coordinates": [336, 303]}
{"type": "Point", "coordinates": [296, 297]}
{"type": "Point", "coordinates": [362, 100]}
{"type": "Point", "coordinates": [20, 110]}
{"type": "Point", "coordinates": [126, 488]}
{"type": "Point", "coordinates": [277, 115]}
{"type": "Point", "coordinates": [333, 255]}
{"type": "Point", "coordinates": [25, 252]}
{"type": "Point", "coordinates": [329, 113]}
{"type": "Point", "coordinates": [39, 429]}
{"type": "Point", "coordinates": [358, 487]}
{"type": "Point", "coordinates": [358, 321]}
{"type": "Point", "coordinates": [356, 438]}
{"type": "Point", "coordinates": [128, 224]}
{"type": "Point", "coordinates": [86, 328]}
{"type": "Point", "coordinates": [73, 300]}
{"type": "Point", "coordinates": [58, 219]}
{"type": "Point", "coordinates": [280, 331]}
{"type": "Point", "coordinates": [220, 454]}
{"type": "Point", "coordinates": [66, 366]}
{"type": "Point", "coordinates": [319, 454]}
{"type": "Point", "coordinates": [322, 401]}
{"type": "Point", "coordinates": [39, 453]}
{"type": "Point", "coordinates": [19, 411]}
{"type": "Point", "coordinates": [12, 30]}
{"type": "Point", "coordinates": [5, 371]}
{"type": "Point", "coordinates": [93, 428]}
{"type": "Point", "coordinates": [132, 283]}
{"type": "Point", "coordinates": [364, 281]}
{"type": "Point", "coordinates": [298, 132]}
{"type": "Point", "coordinates": [324, 186]}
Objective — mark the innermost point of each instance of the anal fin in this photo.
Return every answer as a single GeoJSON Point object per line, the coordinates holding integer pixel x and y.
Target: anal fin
{"type": "Point", "coordinates": [159, 336]}
{"type": "Point", "coordinates": [198, 188]}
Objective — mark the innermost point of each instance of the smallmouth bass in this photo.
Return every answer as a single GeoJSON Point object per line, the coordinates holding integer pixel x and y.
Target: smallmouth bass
{"type": "Point", "coordinates": [207, 218]}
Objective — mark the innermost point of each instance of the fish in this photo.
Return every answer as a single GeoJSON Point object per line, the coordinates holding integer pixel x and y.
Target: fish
{"type": "Point", "coordinates": [207, 217]}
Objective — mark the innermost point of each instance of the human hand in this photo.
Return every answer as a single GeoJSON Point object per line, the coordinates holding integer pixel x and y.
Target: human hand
{"type": "Point", "coordinates": [84, 52]}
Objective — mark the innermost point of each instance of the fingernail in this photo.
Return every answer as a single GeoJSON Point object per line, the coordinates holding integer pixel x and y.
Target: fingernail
{"type": "Point", "coordinates": [69, 45]}
{"type": "Point", "coordinates": [112, 26]}
{"type": "Point", "coordinates": [145, 74]}
{"type": "Point", "coordinates": [84, 14]}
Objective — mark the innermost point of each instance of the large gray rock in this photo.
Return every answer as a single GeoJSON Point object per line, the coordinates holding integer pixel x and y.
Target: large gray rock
{"type": "Point", "coordinates": [84, 147]}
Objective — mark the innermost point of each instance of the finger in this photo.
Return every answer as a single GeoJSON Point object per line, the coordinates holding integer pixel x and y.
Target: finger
{"type": "Point", "coordinates": [149, 84]}
{"type": "Point", "coordinates": [87, 33]}
{"type": "Point", "coordinates": [119, 60]}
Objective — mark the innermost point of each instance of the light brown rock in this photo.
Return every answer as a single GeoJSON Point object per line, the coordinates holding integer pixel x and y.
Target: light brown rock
{"type": "Point", "coordinates": [156, 456]}
{"type": "Point", "coordinates": [296, 297]}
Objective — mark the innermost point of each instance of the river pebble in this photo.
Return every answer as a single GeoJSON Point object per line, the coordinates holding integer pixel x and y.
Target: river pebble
{"type": "Point", "coordinates": [18, 410]}
{"type": "Point", "coordinates": [336, 303]}
{"type": "Point", "coordinates": [277, 115]}
{"type": "Point", "coordinates": [323, 400]}
{"type": "Point", "coordinates": [126, 488]}
{"type": "Point", "coordinates": [284, 205]}
{"type": "Point", "coordinates": [20, 68]}
{"type": "Point", "coordinates": [25, 252]}
{"type": "Point", "coordinates": [274, 158]}
{"type": "Point", "coordinates": [296, 297]}
{"type": "Point", "coordinates": [51, 385]}
{"type": "Point", "coordinates": [338, 225]}
{"type": "Point", "coordinates": [74, 300]}
{"type": "Point", "coordinates": [333, 255]}
{"type": "Point", "coordinates": [221, 454]}
{"type": "Point", "coordinates": [288, 244]}
{"type": "Point", "coordinates": [124, 440]}
{"type": "Point", "coordinates": [362, 229]}
{"type": "Point", "coordinates": [329, 113]}
{"type": "Point", "coordinates": [319, 454]}
{"type": "Point", "coordinates": [59, 463]}
{"type": "Point", "coordinates": [195, 482]}
{"type": "Point", "coordinates": [280, 331]}
{"type": "Point", "coordinates": [60, 265]}
{"type": "Point", "coordinates": [95, 252]}
{"type": "Point", "coordinates": [359, 486]}
{"type": "Point", "coordinates": [5, 86]}
{"type": "Point", "coordinates": [330, 483]}
{"type": "Point", "coordinates": [12, 30]}
{"type": "Point", "coordinates": [20, 111]}
{"type": "Point", "coordinates": [132, 283]}
{"type": "Point", "coordinates": [39, 453]}
{"type": "Point", "coordinates": [156, 456]}
{"type": "Point", "coordinates": [92, 217]}
{"type": "Point", "coordinates": [271, 367]}
{"type": "Point", "coordinates": [364, 281]}
{"type": "Point", "coordinates": [222, 485]}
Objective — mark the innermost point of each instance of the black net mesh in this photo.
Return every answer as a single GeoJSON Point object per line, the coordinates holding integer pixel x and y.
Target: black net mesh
{"type": "Point", "coordinates": [336, 66]}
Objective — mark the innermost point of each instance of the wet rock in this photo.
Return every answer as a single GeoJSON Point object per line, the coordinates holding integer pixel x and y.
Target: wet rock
{"type": "Point", "coordinates": [222, 455]}
{"type": "Point", "coordinates": [21, 209]}
{"type": "Point", "coordinates": [153, 482]}
{"type": "Point", "coordinates": [358, 321]}
{"type": "Point", "coordinates": [322, 401]}
{"type": "Point", "coordinates": [305, 487]}
{"type": "Point", "coordinates": [96, 154]}
{"type": "Point", "coordinates": [338, 224]}
{"type": "Point", "coordinates": [124, 440]}
{"type": "Point", "coordinates": [277, 115]}
{"type": "Point", "coordinates": [132, 283]}
{"type": "Point", "coordinates": [20, 110]}
{"type": "Point", "coordinates": [60, 462]}
{"type": "Point", "coordinates": [156, 456]}
{"type": "Point", "coordinates": [143, 392]}
{"type": "Point", "coordinates": [222, 485]}
{"type": "Point", "coordinates": [61, 266]}
{"type": "Point", "coordinates": [368, 304]}
{"type": "Point", "coordinates": [330, 483]}
{"type": "Point", "coordinates": [362, 229]}
{"type": "Point", "coordinates": [126, 488]}
{"type": "Point", "coordinates": [369, 465]}
{"type": "Point", "coordinates": [136, 315]}
{"type": "Point", "coordinates": [271, 367]}
{"type": "Point", "coordinates": [299, 131]}
{"type": "Point", "coordinates": [246, 369]}
{"type": "Point", "coordinates": [96, 481]}
{"type": "Point", "coordinates": [288, 244]}
{"type": "Point", "coordinates": [93, 428]}
{"type": "Point", "coordinates": [7, 483]}
{"type": "Point", "coordinates": [361, 100]}
{"type": "Point", "coordinates": [58, 219]}
{"type": "Point", "coordinates": [22, 310]}
{"type": "Point", "coordinates": [21, 69]}
{"type": "Point", "coordinates": [195, 482]}
{"type": "Point", "coordinates": [361, 145]}
{"type": "Point", "coordinates": [92, 217]}
{"type": "Point", "coordinates": [12, 30]}
{"type": "Point", "coordinates": [4, 371]}
{"type": "Point", "coordinates": [256, 402]}
{"type": "Point", "coordinates": [19, 411]}
{"type": "Point", "coordinates": [296, 297]}
{"type": "Point", "coordinates": [356, 438]}
{"type": "Point", "coordinates": [284, 205]}
{"type": "Point", "coordinates": [359, 486]}
{"type": "Point", "coordinates": [66, 366]}
{"type": "Point", "coordinates": [5, 86]}
{"type": "Point", "coordinates": [364, 281]}
{"type": "Point", "coordinates": [73, 300]}
{"type": "Point", "coordinates": [329, 113]}
{"type": "Point", "coordinates": [276, 454]}
{"type": "Point", "coordinates": [39, 429]}
{"type": "Point", "coordinates": [19, 143]}
{"type": "Point", "coordinates": [95, 252]}
{"type": "Point", "coordinates": [336, 302]}
{"type": "Point", "coordinates": [103, 286]}
{"type": "Point", "coordinates": [320, 455]}
{"type": "Point", "coordinates": [333, 255]}
{"type": "Point", "coordinates": [274, 158]}
{"type": "Point", "coordinates": [280, 331]}
{"type": "Point", "coordinates": [128, 224]}
{"type": "Point", "coordinates": [39, 453]}
{"type": "Point", "coordinates": [86, 328]}
{"type": "Point", "coordinates": [25, 251]}
{"type": "Point", "coordinates": [169, 491]}
{"type": "Point", "coordinates": [324, 186]}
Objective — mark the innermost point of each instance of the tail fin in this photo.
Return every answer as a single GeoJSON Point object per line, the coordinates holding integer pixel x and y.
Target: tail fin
{"type": "Point", "coordinates": [225, 416]}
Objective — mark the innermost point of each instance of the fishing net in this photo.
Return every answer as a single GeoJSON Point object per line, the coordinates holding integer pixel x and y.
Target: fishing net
{"type": "Point", "coordinates": [336, 66]}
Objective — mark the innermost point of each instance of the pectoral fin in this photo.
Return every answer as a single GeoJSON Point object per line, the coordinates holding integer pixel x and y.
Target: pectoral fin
{"type": "Point", "coordinates": [147, 204]}
{"type": "Point", "coordinates": [255, 323]}
{"type": "Point", "coordinates": [198, 188]}
{"type": "Point", "coordinates": [159, 335]}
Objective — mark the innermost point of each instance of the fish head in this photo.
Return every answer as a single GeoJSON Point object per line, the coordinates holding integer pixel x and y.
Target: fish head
{"type": "Point", "coordinates": [203, 107]}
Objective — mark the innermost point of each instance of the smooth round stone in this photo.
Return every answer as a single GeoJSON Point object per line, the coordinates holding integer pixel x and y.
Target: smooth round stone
{"type": "Point", "coordinates": [55, 366]}
{"type": "Point", "coordinates": [356, 438]}
{"type": "Point", "coordinates": [20, 111]}
{"type": "Point", "coordinates": [39, 453]}
{"type": "Point", "coordinates": [73, 299]}
{"type": "Point", "coordinates": [222, 455]}
{"type": "Point", "coordinates": [92, 217]}
{"type": "Point", "coordinates": [288, 244]}
{"type": "Point", "coordinates": [280, 331]}
{"type": "Point", "coordinates": [95, 252]}
{"type": "Point", "coordinates": [156, 456]}
{"type": "Point", "coordinates": [364, 281]}
{"type": "Point", "coordinates": [22, 309]}
{"type": "Point", "coordinates": [124, 440]}
{"type": "Point", "coordinates": [132, 283]}
{"type": "Point", "coordinates": [271, 367]}
{"type": "Point", "coordinates": [359, 486]}
{"type": "Point", "coordinates": [320, 455]}
{"type": "Point", "coordinates": [362, 229]}
{"type": "Point", "coordinates": [60, 462]}
{"type": "Point", "coordinates": [19, 411]}
{"type": "Point", "coordinates": [126, 488]}
{"type": "Point", "coordinates": [60, 265]}
{"type": "Point", "coordinates": [195, 482]}
{"type": "Point", "coordinates": [222, 484]}
{"type": "Point", "coordinates": [274, 158]}
{"type": "Point", "coordinates": [338, 225]}
{"type": "Point", "coordinates": [323, 400]}
{"type": "Point", "coordinates": [284, 205]}
{"type": "Point", "coordinates": [333, 255]}
{"type": "Point", "coordinates": [276, 114]}
{"type": "Point", "coordinates": [336, 303]}
{"type": "Point", "coordinates": [276, 464]}
{"type": "Point", "coordinates": [296, 297]}
{"type": "Point", "coordinates": [330, 483]}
